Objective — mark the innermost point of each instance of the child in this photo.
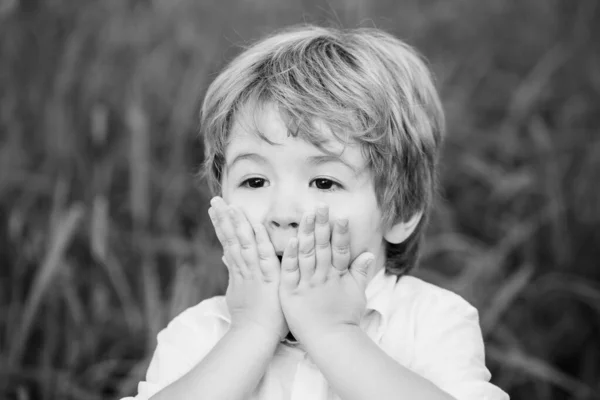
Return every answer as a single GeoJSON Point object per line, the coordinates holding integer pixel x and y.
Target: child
{"type": "Point", "coordinates": [322, 144]}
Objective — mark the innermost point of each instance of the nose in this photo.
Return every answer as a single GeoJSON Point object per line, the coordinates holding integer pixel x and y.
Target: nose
{"type": "Point", "coordinates": [283, 218]}
{"type": "Point", "coordinates": [285, 224]}
{"type": "Point", "coordinates": [285, 212]}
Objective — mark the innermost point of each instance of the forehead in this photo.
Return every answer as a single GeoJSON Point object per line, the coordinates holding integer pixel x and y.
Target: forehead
{"type": "Point", "coordinates": [263, 125]}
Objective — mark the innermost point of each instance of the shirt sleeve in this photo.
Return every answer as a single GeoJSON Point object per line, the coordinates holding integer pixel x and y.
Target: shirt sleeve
{"type": "Point", "coordinates": [449, 349]}
{"type": "Point", "coordinates": [180, 346]}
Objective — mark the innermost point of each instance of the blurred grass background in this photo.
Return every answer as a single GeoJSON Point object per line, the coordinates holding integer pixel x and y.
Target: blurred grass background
{"type": "Point", "coordinates": [103, 226]}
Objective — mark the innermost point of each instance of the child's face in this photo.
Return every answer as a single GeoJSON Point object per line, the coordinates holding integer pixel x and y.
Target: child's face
{"type": "Point", "coordinates": [276, 184]}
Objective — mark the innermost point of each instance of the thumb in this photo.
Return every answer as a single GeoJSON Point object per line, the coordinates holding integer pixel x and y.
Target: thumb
{"type": "Point", "coordinates": [229, 274]}
{"type": "Point", "coordinates": [361, 268]}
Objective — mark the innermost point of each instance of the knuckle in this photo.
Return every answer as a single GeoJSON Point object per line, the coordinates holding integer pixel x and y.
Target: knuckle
{"type": "Point", "coordinates": [341, 249]}
{"type": "Point", "coordinates": [322, 245]}
{"type": "Point", "coordinates": [244, 246]}
{"type": "Point", "coordinates": [263, 256]}
{"type": "Point", "coordinates": [307, 252]}
{"type": "Point", "coordinates": [232, 244]}
{"type": "Point", "coordinates": [268, 278]}
{"type": "Point", "coordinates": [290, 267]}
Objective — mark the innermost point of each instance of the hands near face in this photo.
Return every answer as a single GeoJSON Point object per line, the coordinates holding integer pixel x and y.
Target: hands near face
{"type": "Point", "coordinates": [254, 271]}
{"type": "Point", "coordinates": [314, 291]}
{"type": "Point", "coordinates": [319, 292]}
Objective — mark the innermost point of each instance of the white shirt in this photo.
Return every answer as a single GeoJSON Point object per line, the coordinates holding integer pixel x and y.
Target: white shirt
{"type": "Point", "coordinates": [430, 330]}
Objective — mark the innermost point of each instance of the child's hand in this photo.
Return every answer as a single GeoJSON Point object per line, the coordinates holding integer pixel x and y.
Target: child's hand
{"type": "Point", "coordinates": [254, 271]}
{"type": "Point", "coordinates": [318, 292]}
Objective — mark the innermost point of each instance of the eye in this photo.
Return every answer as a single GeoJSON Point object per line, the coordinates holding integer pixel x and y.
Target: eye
{"type": "Point", "coordinates": [253, 183]}
{"type": "Point", "coordinates": [326, 184]}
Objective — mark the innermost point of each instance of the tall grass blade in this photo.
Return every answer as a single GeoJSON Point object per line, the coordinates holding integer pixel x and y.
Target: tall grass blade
{"type": "Point", "coordinates": [539, 369]}
{"type": "Point", "coordinates": [505, 296]}
{"type": "Point", "coordinates": [61, 238]}
{"type": "Point", "coordinates": [139, 165]}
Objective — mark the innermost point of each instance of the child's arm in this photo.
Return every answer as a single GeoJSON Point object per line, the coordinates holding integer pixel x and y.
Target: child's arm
{"type": "Point", "coordinates": [448, 354]}
{"type": "Point", "coordinates": [358, 369]}
{"type": "Point", "coordinates": [232, 369]}
{"type": "Point", "coordinates": [323, 301]}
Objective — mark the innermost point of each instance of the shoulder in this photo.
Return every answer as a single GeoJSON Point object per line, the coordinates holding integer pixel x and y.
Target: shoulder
{"type": "Point", "coordinates": [184, 342]}
{"type": "Point", "coordinates": [211, 307]}
{"type": "Point", "coordinates": [441, 322]}
{"type": "Point", "coordinates": [441, 339]}
{"type": "Point", "coordinates": [416, 310]}
{"type": "Point", "coordinates": [423, 314]}
{"type": "Point", "coordinates": [429, 299]}
{"type": "Point", "coordinates": [206, 315]}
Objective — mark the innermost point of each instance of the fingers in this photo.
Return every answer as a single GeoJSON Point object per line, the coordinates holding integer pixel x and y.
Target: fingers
{"type": "Point", "coordinates": [306, 247]}
{"type": "Point", "coordinates": [227, 233]}
{"type": "Point", "coordinates": [290, 271]}
{"type": "Point", "coordinates": [322, 243]}
{"type": "Point", "coordinates": [245, 237]}
{"type": "Point", "coordinates": [267, 259]}
{"type": "Point", "coordinates": [248, 248]}
{"type": "Point", "coordinates": [340, 245]}
{"type": "Point", "coordinates": [361, 268]}
{"type": "Point", "coordinates": [230, 274]}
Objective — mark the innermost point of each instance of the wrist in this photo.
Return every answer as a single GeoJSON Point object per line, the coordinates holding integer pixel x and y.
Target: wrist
{"type": "Point", "coordinates": [329, 333]}
{"type": "Point", "coordinates": [254, 333]}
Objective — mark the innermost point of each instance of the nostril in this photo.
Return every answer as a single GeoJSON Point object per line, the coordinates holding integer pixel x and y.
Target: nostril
{"type": "Point", "coordinates": [294, 225]}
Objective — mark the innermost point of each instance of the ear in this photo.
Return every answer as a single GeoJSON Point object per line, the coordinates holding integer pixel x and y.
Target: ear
{"type": "Point", "coordinates": [399, 232]}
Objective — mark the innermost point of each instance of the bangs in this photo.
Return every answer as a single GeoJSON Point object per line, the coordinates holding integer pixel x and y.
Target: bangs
{"type": "Point", "coordinates": [312, 84]}
{"type": "Point", "coordinates": [314, 129]}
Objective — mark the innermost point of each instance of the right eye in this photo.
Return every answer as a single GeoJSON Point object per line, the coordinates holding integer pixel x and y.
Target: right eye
{"type": "Point", "coordinates": [253, 183]}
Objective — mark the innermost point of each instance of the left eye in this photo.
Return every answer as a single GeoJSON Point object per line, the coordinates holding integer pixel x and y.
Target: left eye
{"type": "Point", "coordinates": [325, 184]}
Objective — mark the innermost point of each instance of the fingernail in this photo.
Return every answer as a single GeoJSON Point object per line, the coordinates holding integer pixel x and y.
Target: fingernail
{"type": "Point", "coordinates": [310, 219]}
{"type": "Point", "coordinates": [213, 201]}
{"type": "Point", "coordinates": [342, 223]}
{"type": "Point", "coordinates": [322, 211]}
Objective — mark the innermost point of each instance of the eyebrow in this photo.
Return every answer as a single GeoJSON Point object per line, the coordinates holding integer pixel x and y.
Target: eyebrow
{"type": "Point", "coordinates": [312, 160]}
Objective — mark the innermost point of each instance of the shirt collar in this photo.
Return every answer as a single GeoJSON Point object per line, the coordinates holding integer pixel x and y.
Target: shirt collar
{"type": "Point", "coordinates": [379, 294]}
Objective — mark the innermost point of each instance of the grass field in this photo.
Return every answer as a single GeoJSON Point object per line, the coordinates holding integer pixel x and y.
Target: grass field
{"type": "Point", "coordinates": [104, 235]}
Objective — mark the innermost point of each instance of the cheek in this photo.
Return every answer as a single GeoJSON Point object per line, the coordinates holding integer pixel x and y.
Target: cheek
{"type": "Point", "coordinates": [365, 230]}
{"type": "Point", "coordinates": [363, 214]}
{"type": "Point", "coordinates": [363, 234]}
{"type": "Point", "coordinates": [255, 211]}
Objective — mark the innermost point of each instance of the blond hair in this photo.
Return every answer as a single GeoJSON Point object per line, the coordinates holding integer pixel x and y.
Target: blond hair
{"type": "Point", "coordinates": [367, 86]}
